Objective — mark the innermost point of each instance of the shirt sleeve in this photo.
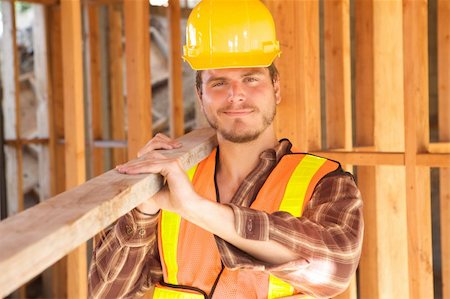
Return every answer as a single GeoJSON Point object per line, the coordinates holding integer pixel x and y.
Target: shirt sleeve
{"type": "Point", "coordinates": [327, 238]}
{"type": "Point", "coordinates": [125, 262]}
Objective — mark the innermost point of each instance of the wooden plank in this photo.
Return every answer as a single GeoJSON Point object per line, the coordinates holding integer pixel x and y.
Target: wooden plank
{"type": "Point", "coordinates": [56, 132]}
{"type": "Point", "coordinates": [116, 58]}
{"type": "Point", "coordinates": [337, 74]}
{"type": "Point", "coordinates": [418, 193]}
{"type": "Point", "coordinates": [444, 136]}
{"type": "Point", "coordinates": [297, 24]}
{"type": "Point", "coordinates": [175, 70]}
{"type": "Point", "coordinates": [71, 218]}
{"type": "Point", "coordinates": [94, 87]}
{"type": "Point", "coordinates": [369, 271]}
{"type": "Point", "coordinates": [137, 37]}
{"type": "Point", "coordinates": [41, 2]}
{"type": "Point", "coordinates": [74, 130]}
{"type": "Point", "coordinates": [364, 158]}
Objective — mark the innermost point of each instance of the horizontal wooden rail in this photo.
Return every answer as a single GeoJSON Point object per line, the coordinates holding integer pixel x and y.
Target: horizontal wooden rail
{"type": "Point", "coordinates": [34, 239]}
{"type": "Point", "coordinates": [43, 2]}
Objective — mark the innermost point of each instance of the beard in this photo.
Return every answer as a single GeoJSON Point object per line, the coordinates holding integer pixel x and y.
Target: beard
{"type": "Point", "coordinates": [238, 131]}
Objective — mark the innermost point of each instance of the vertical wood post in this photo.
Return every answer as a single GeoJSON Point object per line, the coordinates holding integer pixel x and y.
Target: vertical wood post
{"type": "Point", "coordinates": [74, 130]}
{"type": "Point", "coordinates": [176, 73]}
{"type": "Point", "coordinates": [444, 135]}
{"type": "Point", "coordinates": [137, 36]}
{"type": "Point", "coordinates": [116, 59]}
{"type": "Point", "coordinates": [415, 55]}
{"type": "Point", "coordinates": [297, 24]}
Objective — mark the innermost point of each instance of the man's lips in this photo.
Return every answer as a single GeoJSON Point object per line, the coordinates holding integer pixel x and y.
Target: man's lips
{"type": "Point", "coordinates": [237, 112]}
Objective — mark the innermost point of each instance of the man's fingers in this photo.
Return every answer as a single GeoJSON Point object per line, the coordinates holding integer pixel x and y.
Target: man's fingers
{"type": "Point", "coordinates": [160, 141]}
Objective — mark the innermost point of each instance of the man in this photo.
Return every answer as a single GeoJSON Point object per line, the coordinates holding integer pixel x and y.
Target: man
{"type": "Point", "coordinates": [253, 220]}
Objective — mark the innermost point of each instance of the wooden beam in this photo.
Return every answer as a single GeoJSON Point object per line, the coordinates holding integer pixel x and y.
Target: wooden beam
{"type": "Point", "coordinates": [137, 24]}
{"type": "Point", "coordinates": [337, 74]}
{"type": "Point", "coordinates": [69, 219]}
{"type": "Point", "coordinates": [116, 73]}
{"type": "Point", "coordinates": [297, 24]}
{"type": "Point", "coordinates": [439, 147]}
{"type": "Point", "coordinates": [175, 70]}
{"type": "Point", "coordinates": [74, 130]}
{"type": "Point", "coordinates": [418, 193]}
{"type": "Point", "coordinates": [94, 87]}
{"type": "Point", "coordinates": [444, 136]}
{"type": "Point", "coordinates": [42, 2]}
{"type": "Point", "coordinates": [364, 158]}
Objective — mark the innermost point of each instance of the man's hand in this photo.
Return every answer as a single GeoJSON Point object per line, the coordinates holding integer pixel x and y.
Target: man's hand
{"type": "Point", "coordinates": [179, 189]}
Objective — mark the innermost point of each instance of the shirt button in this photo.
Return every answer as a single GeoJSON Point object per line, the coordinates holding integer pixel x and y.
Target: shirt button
{"type": "Point", "coordinates": [130, 230]}
{"type": "Point", "coordinates": [141, 232]}
{"type": "Point", "coordinates": [250, 225]}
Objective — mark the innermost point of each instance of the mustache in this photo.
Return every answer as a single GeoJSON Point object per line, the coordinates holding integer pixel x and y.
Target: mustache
{"type": "Point", "coordinates": [237, 107]}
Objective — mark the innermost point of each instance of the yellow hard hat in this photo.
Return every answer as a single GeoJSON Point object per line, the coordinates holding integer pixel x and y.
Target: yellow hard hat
{"type": "Point", "coordinates": [230, 33]}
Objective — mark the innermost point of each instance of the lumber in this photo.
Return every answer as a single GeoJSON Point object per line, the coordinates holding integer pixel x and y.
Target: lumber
{"type": "Point", "coordinates": [70, 218]}
{"type": "Point", "coordinates": [337, 74]}
{"type": "Point", "coordinates": [175, 70]}
{"type": "Point", "coordinates": [116, 56]}
{"type": "Point", "coordinates": [297, 24]}
{"type": "Point", "coordinates": [439, 147]}
{"type": "Point", "coordinates": [42, 2]}
{"type": "Point", "coordinates": [418, 193]}
{"type": "Point", "coordinates": [444, 136]}
{"type": "Point", "coordinates": [137, 52]}
{"type": "Point", "coordinates": [94, 87]}
{"type": "Point", "coordinates": [74, 131]}
{"type": "Point", "coordinates": [364, 137]}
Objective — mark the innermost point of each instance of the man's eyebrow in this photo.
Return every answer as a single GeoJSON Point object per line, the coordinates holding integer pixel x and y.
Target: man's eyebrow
{"type": "Point", "coordinates": [253, 73]}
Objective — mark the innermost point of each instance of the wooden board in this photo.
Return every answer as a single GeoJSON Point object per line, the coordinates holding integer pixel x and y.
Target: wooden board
{"type": "Point", "coordinates": [94, 87]}
{"type": "Point", "coordinates": [74, 131]}
{"type": "Point", "coordinates": [69, 219]}
{"type": "Point", "coordinates": [116, 73]}
{"type": "Point", "coordinates": [175, 70]}
{"type": "Point", "coordinates": [137, 38]}
{"type": "Point", "coordinates": [444, 136]}
{"type": "Point", "coordinates": [415, 55]}
{"type": "Point", "coordinates": [297, 24]}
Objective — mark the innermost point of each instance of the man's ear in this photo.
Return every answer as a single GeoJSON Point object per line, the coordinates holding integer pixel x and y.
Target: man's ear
{"type": "Point", "coordinates": [199, 98]}
{"type": "Point", "coordinates": [277, 90]}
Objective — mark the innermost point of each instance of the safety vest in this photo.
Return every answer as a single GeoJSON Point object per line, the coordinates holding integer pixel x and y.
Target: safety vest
{"type": "Point", "coordinates": [190, 260]}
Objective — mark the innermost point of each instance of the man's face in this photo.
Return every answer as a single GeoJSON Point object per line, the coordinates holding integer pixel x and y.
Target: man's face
{"type": "Point", "coordinates": [239, 103]}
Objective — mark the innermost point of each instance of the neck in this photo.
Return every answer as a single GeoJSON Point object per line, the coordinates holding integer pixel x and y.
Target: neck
{"type": "Point", "coordinates": [236, 160]}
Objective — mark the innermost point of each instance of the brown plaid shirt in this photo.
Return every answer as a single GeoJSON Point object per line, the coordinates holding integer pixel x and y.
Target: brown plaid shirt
{"type": "Point", "coordinates": [328, 237]}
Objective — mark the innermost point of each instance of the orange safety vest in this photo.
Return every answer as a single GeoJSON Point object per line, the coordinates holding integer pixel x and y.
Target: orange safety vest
{"type": "Point", "coordinates": [189, 256]}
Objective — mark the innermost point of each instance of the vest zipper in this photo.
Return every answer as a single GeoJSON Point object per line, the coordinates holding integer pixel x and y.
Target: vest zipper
{"type": "Point", "coordinates": [211, 293]}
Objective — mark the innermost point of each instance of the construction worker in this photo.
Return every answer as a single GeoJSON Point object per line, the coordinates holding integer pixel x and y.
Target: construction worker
{"type": "Point", "coordinates": [256, 219]}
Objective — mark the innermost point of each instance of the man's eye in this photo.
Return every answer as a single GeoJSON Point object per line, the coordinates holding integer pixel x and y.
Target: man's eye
{"type": "Point", "coordinates": [250, 79]}
{"type": "Point", "coordinates": [217, 84]}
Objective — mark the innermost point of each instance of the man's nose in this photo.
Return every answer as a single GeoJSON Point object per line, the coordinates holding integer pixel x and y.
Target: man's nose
{"type": "Point", "coordinates": [236, 92]}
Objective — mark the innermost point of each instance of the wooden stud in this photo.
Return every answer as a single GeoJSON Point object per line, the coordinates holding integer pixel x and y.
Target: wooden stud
{"type": "Point", "coordinates": [74, 130]}
{"type": "Point", "coordinates": [94, 87]}
{"type": "Point", "coordinates": [116, 58]}
{"type": "Point", "coordinates": [71, 218]}
{"type": "Point", "coordinates": [56, 132]}
{"type": "Point", "coordinates": [444, 136]}
{"type": "Point", "coordinates": [137, 23]}
{"type": "Point", "coordinates": [41, 2]}
{"type": "Point", "coordinates": [337, 74]}
{"type": "Point", "coordinates": [176, 73]}
{"type": "Point", "coordinates": [418, 193]}
{"type": "Point", "coordinates": [297, 24]}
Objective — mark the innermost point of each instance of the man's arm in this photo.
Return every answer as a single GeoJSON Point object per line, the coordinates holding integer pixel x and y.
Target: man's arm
{"type": "Point", "coordinates": [126, 262]}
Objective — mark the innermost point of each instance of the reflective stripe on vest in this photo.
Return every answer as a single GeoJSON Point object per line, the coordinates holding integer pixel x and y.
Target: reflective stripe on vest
{"type": "Point", "coordinates": [170, 223]}
{"type": "Point", "coordinates": [292, 202]}
{"type": "Point", "coordinates": [295, 190]}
